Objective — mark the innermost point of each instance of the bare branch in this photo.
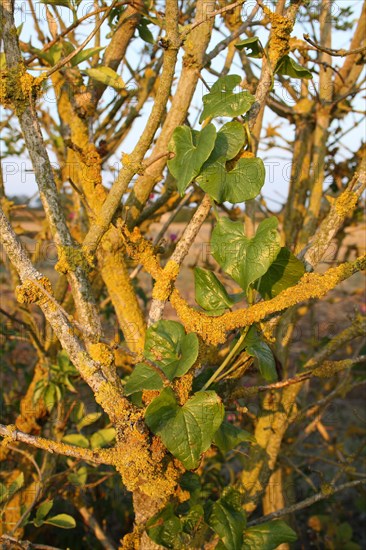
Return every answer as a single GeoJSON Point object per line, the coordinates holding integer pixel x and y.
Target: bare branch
{"type": "Point", "coordinates": [342, 207]}
{"type": "Point", "coordinates": [164, 285]}
{"type": "Point", "coordinates": [330, 51]}
{"type": "Point", "coordinates": [45, 179]}
{"type": "Point", "coordinates": [328, 492]}
{"type": "Point", "coordinates": [213, 14]}
{"type": "Point", "coordinates": [98, 456]}
{"type": "Point", "coordinates": [132, 164]}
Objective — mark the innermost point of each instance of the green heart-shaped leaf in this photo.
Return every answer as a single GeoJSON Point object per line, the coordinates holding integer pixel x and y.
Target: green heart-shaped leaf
{"type": "Point", "coordinates": [267, 536]}
{"type": "Point", "coordinates": [210, 292]}
{"type": "Point", "coordinates": [186, 431]}
{"type": "Point", "coordinates": [245, 260]}
{"type": "Point", "coordinates": [164, 527]}
{"type": "Point", "coordinates": [289, 67]}
{"type": "Point", "coordinates": [229, 140]}
{"type": "Point", "coordinates": [191, 149]}
{"type": "Point", "coordinates": [171, 349]}
{"type": "Point", "coordinates": [240, 184]}
{"type": "Point", "coordinates": [252, 46]}
{"type": "Point", "coordinates": [222, 101]}
{"type": "Point", "coordinates": [228, 520]}
{"type": "Point", "coordinates": [285, 271]}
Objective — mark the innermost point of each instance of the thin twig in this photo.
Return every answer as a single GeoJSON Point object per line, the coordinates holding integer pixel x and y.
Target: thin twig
{"type": "Point", "coordinates": [68, 58]}
{"type": "Point", "coordinates": [307, 502]}
{"type": "Point", "coordinates": [98, 456]}
{"type": "Point", "coordinates": [211, 15]}
{"type": "Point", "coordinates": [37, 492]}
{"type": "Point", "coordinates": [36, 340]}
{"type": "Point", "coordinates": [338, 365]}
{"type": "Point", "coordinates": [180, 252]}
{"type": "Point", "coordinates": [25, 544]}
{"type": "Point", "coordinates": [330, 51]}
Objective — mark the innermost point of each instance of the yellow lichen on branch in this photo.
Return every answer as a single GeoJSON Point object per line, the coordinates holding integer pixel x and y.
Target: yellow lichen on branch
{"type": "Point", "coordinates": [164, 283]}
{"type": "Point", "coordinates": [213, 330]}
{"type": "Point", "coordinates": [18, 88]}
{"type": "Point", "coordinates": [281, 28]}
{"type": "Point", "coordinates": [70, 257]}
{"type": "Point", "coordinates": [134, 459]}
{"type": "Point", "coordinates": [30, 293]}
{"type": "Point", "coordinates": [101, 353]}
{"type": "Point", "coordinates": [311, 286]}
{"type": "Point", "coordinates": [346, 203]}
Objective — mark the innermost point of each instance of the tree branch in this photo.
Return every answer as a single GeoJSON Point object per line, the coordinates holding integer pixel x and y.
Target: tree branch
{"type": "Point", "coordinates": [97, 377]}
{"type": "Point", "coordinates": [164, 284]}
{"type": "Point", "coordinates": [78, 280]}
{"type": "Point", "coordinates": [330, 51]}
{"type": "Point", "coordinates": [342, 207]}
{"type": "Point", "coordinates": [98, 456]}
{"type": "Point", "coordinates": [71, 55]}
{"type": "Point", "coordinates": [132, 164]}
{"type": "Point", "coordinates": [328, 491]}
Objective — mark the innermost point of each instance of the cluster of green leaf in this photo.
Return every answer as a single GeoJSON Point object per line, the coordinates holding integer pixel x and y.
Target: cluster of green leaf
{"type": "Point", "coordinates": [286, 66]}
{"type": "Point", "coordinates": [203, 156]}
{"type": "Point", "coordinates": [213, 160]}
{"type": "Point", "coordinates": [224, 518]}
{"type": "Point", "coordinates": [64, 521]}
{"type": "Point", "coordinates": [52, 390]}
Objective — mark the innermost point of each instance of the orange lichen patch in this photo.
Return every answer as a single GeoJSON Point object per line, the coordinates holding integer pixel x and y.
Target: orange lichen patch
{"type": "Point", "coordinates": [18, 88]}
{"type": "Point", "coordinates": [247, 155]}
{"type": "Point", "coordinates": [158, 450]}
{"type": "Point", "coordinates": [134, 461]}
{"type": "Point", "coordinates": [70, 257]}
{"type": "Point", "coordinates": [164, 283]}
{"type": "Point", "coordinates": [346, 203]}
{"type": "Point", "coordinates": [29, 292]}
{"type": "Point", "coordinates": [149, 395]}
{"type": "Point", "coordinates": [141, 250]}
{"type": "Point", "coordinates": [131, 541]}
{"type": "Point", "coordinates": [312, 286]}
{"type": "Point", "coordinates": [281, 28]}
{"type": "Point", "coordinates": [182, 387]}
{"type": "Point", "coordinates": [210, 329]}
{"type": "Point", "coordinates": [101, 353]}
